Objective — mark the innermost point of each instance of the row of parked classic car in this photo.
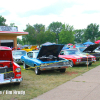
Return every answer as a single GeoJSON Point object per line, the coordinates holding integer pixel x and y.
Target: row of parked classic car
{"type": "Point", "coordinates": [48, 57]}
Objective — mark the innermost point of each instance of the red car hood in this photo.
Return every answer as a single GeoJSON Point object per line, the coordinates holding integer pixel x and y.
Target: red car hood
{"type": "Point", "coordinates": [70, 56]}
{"type": "Point", "coordinates": [75, 56]}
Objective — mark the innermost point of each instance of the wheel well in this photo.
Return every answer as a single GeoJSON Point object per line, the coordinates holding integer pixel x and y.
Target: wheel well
{"type": "Point", "coordinates": [34, 65]}
{"type": "Point", "coordinates": [71, 63]}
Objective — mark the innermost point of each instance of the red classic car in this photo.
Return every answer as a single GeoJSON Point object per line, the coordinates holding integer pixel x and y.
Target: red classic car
{"type": "Point", "coordinates": [76, 57]}
{"type": "Point", "coordinates": [10, 72]}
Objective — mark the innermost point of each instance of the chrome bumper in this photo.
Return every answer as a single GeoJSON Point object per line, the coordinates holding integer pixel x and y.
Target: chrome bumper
{"type": "Point", "coordinates": [54, 67]}
{"type": "Point", "coordinates": [85, 62]}
{"type": "Point", "coordinates": [11, 80]}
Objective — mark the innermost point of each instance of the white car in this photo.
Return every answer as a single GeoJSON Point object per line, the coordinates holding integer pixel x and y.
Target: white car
{"type": "Point", "coordinates": [17, 55]}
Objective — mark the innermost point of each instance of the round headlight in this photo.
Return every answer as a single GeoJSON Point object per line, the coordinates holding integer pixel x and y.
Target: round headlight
{"type": "Point", "coordinates": [92, 58]}
{"type": "Point", "coordinates": [77, 59]}
{"type": "Point", "coordinates": [18, 69]}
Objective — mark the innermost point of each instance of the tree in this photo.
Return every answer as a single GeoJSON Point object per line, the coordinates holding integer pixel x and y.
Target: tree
{"type": "Point", "coordinates": [36, 34]}
{"type": "Point", "coordinates": [39, 33]}
{"type": "Point", "coordinates": [40, 38]}
{"type": "Point", "coordinates": [55, 27]}
{"type": "Point", "coordinates": [50, 36]}
{"type": "Point", "coordinates": [12, 25]}
{"type": "Point", "coordinates": [19, 41]}
{"type": "Point", "coordinates": [66, 35]}
{"type": "Point", "coordinates": [39, 27]}
{"type": "Point", "coordinates": [98, 38]}
{"type": "Point", "coordinates": [2, 21]}
{"type": "Point", "coordinates": [91, 32]}
{"type": "Point", "coordinates": [79, 35]}
{"type": "Point", "coordinates": [31, 37]}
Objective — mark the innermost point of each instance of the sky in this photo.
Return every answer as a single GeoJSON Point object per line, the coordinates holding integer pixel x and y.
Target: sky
{"type": "Point", "coordinates": [76, 13]}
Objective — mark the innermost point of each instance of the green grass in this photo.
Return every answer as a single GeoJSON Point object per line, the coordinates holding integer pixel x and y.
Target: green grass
{"type": "Point", "coordinates": [35, 85]}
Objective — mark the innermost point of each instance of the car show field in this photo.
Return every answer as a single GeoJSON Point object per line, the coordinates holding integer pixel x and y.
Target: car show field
{"type": "Point", "coordinates": [34, 85]}
{"type": "Point", "coordinates": [42, 70]}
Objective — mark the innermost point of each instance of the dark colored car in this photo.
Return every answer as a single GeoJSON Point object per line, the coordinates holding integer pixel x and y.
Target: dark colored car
{"type": "Point", "coordinates": [90, 50]}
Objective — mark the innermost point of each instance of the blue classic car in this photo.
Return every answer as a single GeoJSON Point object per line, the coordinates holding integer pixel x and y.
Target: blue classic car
{"type": "Point", "coordinates": [45, 59]}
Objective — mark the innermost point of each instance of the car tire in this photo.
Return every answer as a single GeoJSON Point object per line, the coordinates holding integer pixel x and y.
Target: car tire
{"type": "Point", "coordinates": [25, 66]}
{"type": "Point", "coordinates": [71, 63]}
{"type": "Point", "coordinates": [63, 70]}
{"type": "Point", "coordinates": [37, 71]}
{"type": "Point", "coordinates": [90, 64]}
{"type": "Point", "coordinates": [97, 59]}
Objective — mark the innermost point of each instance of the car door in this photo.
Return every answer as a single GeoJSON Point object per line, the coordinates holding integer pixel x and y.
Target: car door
{"type": "Point", "coordinates": [29, 58]}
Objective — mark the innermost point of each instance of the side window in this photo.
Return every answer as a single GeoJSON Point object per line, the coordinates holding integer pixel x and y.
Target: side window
{"type": "Point", "coordinates": [30, 54]}
{"type": "Point", "coordinates": [62, 53]}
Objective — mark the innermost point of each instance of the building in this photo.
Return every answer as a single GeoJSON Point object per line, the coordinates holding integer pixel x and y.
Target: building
{"type": "Point", "coordinates": [8, 36]}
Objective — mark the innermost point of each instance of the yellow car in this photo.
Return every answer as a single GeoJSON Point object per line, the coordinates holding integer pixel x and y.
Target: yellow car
{"type": "Point", "coordinates": [33, 47]}
{"type": "Point", "coordinates": [27, 49]}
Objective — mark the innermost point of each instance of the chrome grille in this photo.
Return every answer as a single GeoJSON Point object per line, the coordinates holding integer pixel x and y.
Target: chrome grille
{"type": "Point", "coordinates": [54, 64]}
{"type": "Point", "coordinates": [7, 73]}
{"type": "Point", "coordinates": [85, 59]}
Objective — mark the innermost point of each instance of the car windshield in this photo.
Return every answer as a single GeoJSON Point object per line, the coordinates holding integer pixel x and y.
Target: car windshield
{"type": "Point", "coordinates": [18, 52]}
{"type": "Point", "coordinates": [71, 52]}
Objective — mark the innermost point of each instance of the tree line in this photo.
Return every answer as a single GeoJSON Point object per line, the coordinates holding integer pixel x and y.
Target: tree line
{"type": "Point", "coordinates": [56, 32]}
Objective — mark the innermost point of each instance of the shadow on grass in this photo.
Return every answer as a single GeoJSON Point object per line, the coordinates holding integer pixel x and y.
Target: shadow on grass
{"type": "Point", "coordinates": [9, 86]}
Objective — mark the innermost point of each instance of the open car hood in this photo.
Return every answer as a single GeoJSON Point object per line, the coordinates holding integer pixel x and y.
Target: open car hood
{"type": "Point", "coordinates": [6, 53]}
{"type": "Point", "coordinates": [91, 48]}
{"type": "Point", "coordinates": [47, 50]}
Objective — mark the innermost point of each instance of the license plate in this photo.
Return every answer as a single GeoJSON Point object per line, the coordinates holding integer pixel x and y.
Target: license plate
{"type": "Point", "coordinates": [1, 77]}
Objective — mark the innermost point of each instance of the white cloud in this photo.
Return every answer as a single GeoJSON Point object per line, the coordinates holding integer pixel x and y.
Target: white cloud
{"type": "Point", "coordinates": [25, 5]}
{"type": "Point", "coordinates": [78, 13]}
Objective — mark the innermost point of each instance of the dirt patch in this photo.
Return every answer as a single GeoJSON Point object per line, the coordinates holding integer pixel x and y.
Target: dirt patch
{"type": "Point", "coordinates": [70, 73]}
